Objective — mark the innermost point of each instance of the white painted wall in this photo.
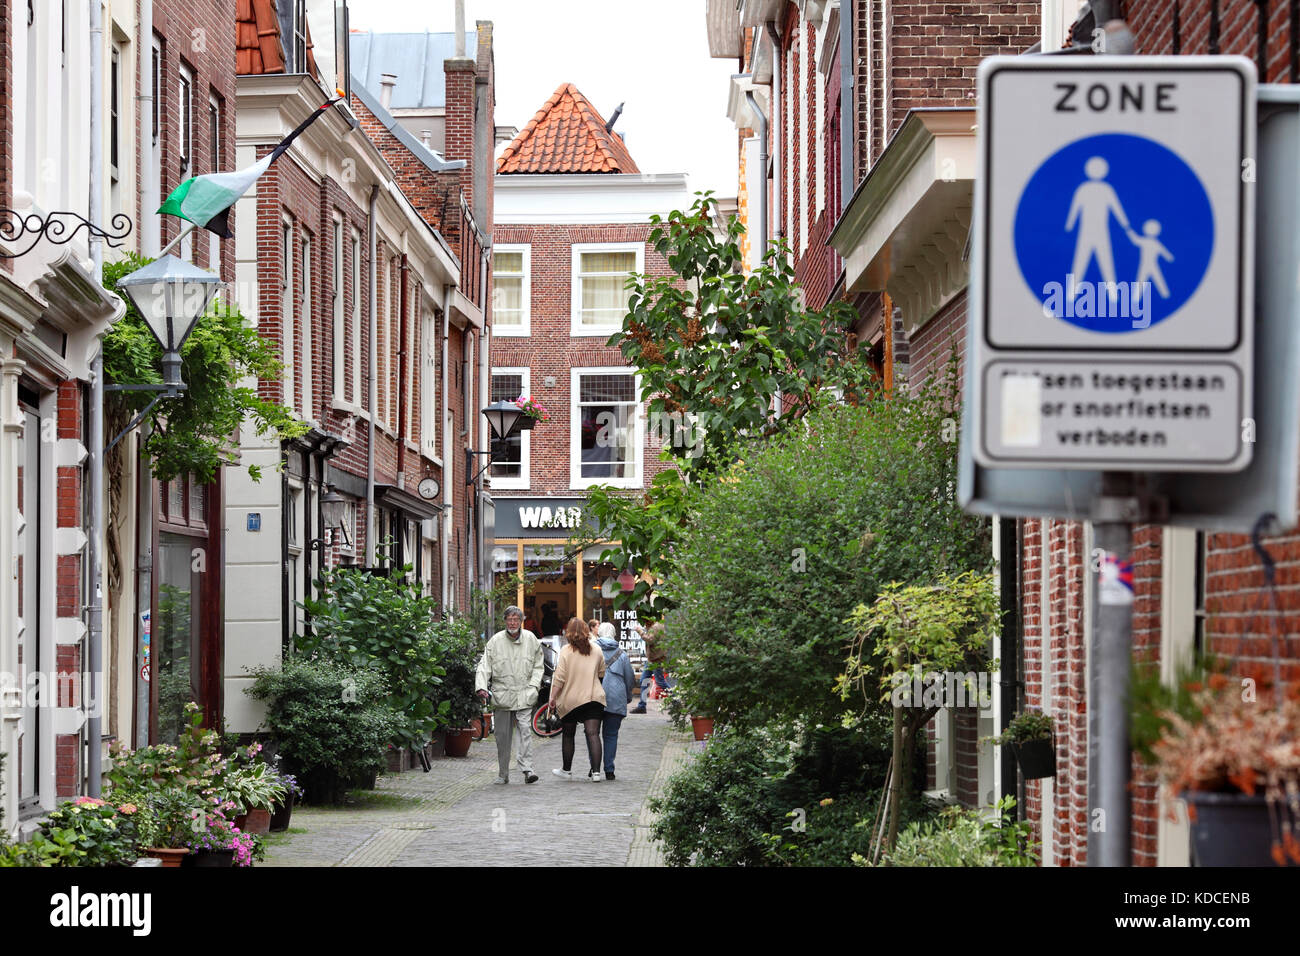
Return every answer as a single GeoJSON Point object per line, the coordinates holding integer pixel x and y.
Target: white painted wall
{"type": "Point", "coordinates": [594, 198]}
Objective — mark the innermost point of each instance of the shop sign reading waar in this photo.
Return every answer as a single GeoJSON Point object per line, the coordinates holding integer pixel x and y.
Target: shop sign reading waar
{"type": "Point", "coordinates": [1111, 288]}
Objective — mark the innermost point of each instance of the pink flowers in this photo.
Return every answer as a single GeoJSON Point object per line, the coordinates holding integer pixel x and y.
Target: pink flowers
{"type": "Point", "coordinates": [532, 409]}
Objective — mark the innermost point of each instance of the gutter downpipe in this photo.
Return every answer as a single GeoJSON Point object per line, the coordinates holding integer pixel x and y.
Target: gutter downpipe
{"type": "Point", "coordinates": [846, 105]}
{"type": "Point", "coordinates": [402, 360]}
{"type": "Point", "coordinates": [448, 465]}
{"type": "Point", "coordinates": [762, 161]}
{"type": "Point", "coordinates": [92, 696]}
{"type": "Point", "coordinates": [778, 198]}
{"type": "Point", "coordinates": [372, 387]}
{"type": "Point", "coordinates": [778, 204]}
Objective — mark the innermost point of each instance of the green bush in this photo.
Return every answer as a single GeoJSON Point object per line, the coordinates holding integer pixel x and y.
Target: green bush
{"type": "Point", "coordinates": [965, 837]}
{"type": "Point", "coordinates": [81, 832]}
{"type": "Point", "coordinates": [384, 623]}
{"type": "Point", "coordinates": [756, 798]}
{"type": "Point", "coordinates": [331, 721]}
{"type": "Point", "coordinates": [807, 527]}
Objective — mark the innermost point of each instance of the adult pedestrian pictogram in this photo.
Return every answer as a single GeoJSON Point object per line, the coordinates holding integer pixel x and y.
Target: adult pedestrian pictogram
{"type": "Point", "coordinates": [1113, 233]}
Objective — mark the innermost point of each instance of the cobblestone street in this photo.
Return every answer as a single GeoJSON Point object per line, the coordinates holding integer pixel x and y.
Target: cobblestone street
{"type": "Point", "coordinates": [456, 816]}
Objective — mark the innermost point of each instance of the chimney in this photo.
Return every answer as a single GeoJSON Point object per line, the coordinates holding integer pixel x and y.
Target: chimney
{"type": "Point", "coordinates": [387, 81]}
{"type": "Point", "coordinates": [460, 29]}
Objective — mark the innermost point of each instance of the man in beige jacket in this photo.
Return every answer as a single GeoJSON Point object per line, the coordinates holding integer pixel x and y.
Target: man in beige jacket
{"type": "Point", "coordinates": [511, 672]}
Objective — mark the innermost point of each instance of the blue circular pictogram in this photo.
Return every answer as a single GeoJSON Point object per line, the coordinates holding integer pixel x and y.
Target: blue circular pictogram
{"type": "Point", "coordinates": [1113, 233]}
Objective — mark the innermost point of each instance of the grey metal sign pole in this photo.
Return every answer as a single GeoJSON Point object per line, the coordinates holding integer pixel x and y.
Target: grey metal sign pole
{"type": "Point", "coordinates": [1109, 650]}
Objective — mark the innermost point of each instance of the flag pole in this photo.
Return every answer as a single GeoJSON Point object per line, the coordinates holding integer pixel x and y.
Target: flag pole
{"type": "Point", "coordinates": [181, 235]}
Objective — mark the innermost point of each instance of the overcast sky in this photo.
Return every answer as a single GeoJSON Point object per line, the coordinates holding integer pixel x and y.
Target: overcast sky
{"type": "Point", "coordinates": [653, 56]}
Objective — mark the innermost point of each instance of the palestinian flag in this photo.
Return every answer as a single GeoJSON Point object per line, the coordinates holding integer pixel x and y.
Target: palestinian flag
{"type": "Point", "coordinates": [206, 200]}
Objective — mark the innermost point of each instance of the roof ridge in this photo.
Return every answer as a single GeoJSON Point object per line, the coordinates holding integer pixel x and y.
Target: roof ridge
{"type": "Point", "coordinates": [566, 140]}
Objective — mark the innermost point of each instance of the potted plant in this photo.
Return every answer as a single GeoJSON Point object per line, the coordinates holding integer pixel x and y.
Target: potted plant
{"type": "Point", "coordinates": [253, 788]}
{"type": "Point", "coordinates": [330, 721]}
{"type": "Point", "coordinates": [1029, 735]}
{"type": "Point", "coordinates": [533, 412]}
{"type": "Point", "coordinates": [1236, 762]}
{"type": "Point", "coordinates": [283, 811]}
{"type": "Point", "coordinates": [463, 705]}
{"type": "Point", "coordinates": [702, 727]}
{"type": "Point", "coordinates": [216, 841]}
{"type": "Point", "coordinates": [165, 824]}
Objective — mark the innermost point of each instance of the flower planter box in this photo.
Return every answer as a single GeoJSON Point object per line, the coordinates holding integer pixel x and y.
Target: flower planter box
{"type": "Point", "coordinates": [1037, 758]}
{"type": "Point", "coordinates": [526, 423]}
{"type": "Point", "coordinates": [1229, 829]}
{"type": "Point", "coordinates": [702, 727]}
{"type": "Point", "coordinates": [437, 747]}
{"type": "Point", "coordinates": [399, 759]}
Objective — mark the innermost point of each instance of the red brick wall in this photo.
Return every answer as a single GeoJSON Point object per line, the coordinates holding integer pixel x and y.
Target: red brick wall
{"type": "Point", "coordinates": [551, 351]}
{"type": "Point", "coordinates": [931, 347]}
{"type": "Point", "coordinates": [202, 35]}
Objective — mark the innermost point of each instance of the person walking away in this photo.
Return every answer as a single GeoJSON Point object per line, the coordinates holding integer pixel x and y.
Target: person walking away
{"type": "Point", "coordinates": [620, 688]}
{"type": "Point", "coordinates": [510, 673]}
{"type": "Point", "coordinates": [578, 697]}
{"type": "Point", "coordinates": [656, 657]}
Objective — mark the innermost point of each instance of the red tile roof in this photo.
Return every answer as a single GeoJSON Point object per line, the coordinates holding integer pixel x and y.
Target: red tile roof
{"type": "Point", "coordinates": [257, 40]}
{"type": "Point", "coordinates": [566, 136]}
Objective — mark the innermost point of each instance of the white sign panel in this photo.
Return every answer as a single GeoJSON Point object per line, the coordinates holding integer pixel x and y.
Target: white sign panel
{"type": "Point", "coordinates": [1113, 263]}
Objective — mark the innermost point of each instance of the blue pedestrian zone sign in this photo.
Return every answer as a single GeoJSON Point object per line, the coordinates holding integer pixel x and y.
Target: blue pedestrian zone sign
{"type": "Point", "coordinates": [1113, 233]}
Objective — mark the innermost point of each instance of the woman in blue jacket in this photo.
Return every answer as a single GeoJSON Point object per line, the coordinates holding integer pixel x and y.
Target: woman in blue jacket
{"type": "Point", "coordinates": [619, 684]}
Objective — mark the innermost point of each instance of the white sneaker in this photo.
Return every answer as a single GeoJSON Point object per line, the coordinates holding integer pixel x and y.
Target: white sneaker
{"type": "Point", "coordinates": [595, 776]}
{"type": "Point", "coordinates": [566, 774]}
{"type": "Point", "coordinates": [502, 780]}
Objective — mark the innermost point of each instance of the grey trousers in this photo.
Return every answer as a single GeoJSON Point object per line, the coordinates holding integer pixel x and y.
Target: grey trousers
{"type": "Point", "coordinates": [503, 725]}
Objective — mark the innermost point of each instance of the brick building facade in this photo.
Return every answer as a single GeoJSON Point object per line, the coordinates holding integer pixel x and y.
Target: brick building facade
{"type": "Point", "coordinates": [572, 219]}
{"type": "Point", "coordinates": [368, 271]}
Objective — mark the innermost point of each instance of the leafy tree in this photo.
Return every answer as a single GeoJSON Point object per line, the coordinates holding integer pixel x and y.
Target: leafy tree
{"type": "Point", "coordinates": [944, 627]}
{"type": "Point", "coordinates": [715, 348]}
{"type": "Point", "coordinates": [194, 433]}
{"type": "Point", "coordinates": [786, 543]}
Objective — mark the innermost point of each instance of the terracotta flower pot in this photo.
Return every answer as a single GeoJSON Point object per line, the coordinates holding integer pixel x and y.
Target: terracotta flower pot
{"type": "Point", "coordinates": [703, 727]}
{"type": "Point", "coordinates": [170, 857]}
{"type": "Point", "coordinates": [257, 822]}
{"type": "Point", "coordinates": [458, 742]}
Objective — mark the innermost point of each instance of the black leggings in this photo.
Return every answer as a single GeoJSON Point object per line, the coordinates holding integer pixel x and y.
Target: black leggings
{"type": "Point", "coordinates": [592, 729]}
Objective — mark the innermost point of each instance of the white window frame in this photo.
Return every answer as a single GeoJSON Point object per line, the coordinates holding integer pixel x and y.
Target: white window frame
{"type": "Point", "coordinates": [185, 141]}
{"type": "Point", "coordinates": [358, 400]}
{"type": "Point", "coordinates": [287, 311]}
{"type": "Point", "coordinates": [429, 387]}
{"type": "Point", "coordinates": [525, 475]}
{"type": "Point", "coordinates": [525, 326]}
{"type": "Point", "coordinates": [336, 374]}
{"type": "Point", "coordinates": [306, 367]}
{"type": "Point", "coordinates": [575, 424]}
{"type": "Point", "coordinates": [576, 328]}
{"type": "Point", "coordinates": [214, 147]}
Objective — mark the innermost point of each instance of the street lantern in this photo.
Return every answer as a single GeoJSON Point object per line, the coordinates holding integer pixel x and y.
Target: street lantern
{"type": "Point", "coordinates": [333, 508]}
{"type": "Point", "coordinates": [171, 295]}
{"type": "Point", "coordinates": [504, 418]}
